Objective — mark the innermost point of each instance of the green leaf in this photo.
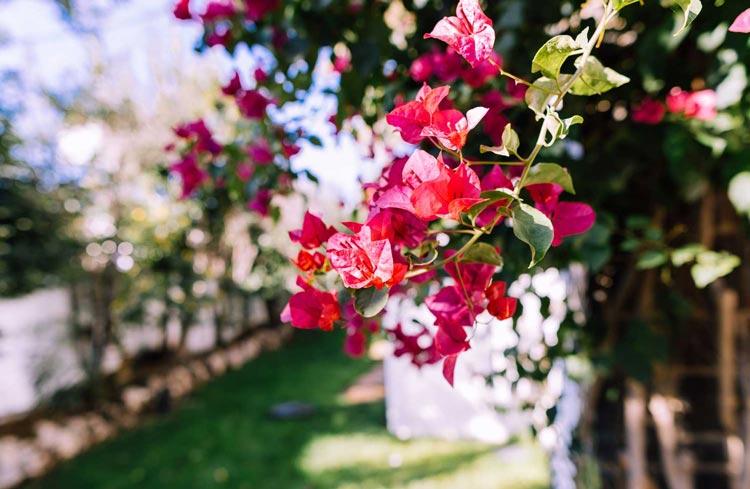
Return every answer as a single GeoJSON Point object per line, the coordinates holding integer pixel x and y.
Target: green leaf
{"type": "Point", "coordinates": [510, 139]}
{"type": "Point", "coordinates": [621, 4]}
{"type": "Point", "coordinates": [711, 265]}
{"type": "Point", "coordinates": [552, 55]}
{"type": "Point", "coordinates": [550, 173]}
{"type": "Point", "coordinates": [533, 228]}
{"type": "Point", "coordinates": [315, 140]}
{"type": "Point", "coordinates": [369, 302]}
{"type": "Point", "coordinates": [539, 94]}
{"type": "Point", "coordinates": [498, 150]}
{"type": "Point", "coordinates": [559, 128]}
{"type": "Point", "coordinates": [596, 78]}
{"type": "Point", "coordinates": [482, 253]}
{"type": "Point", "coordinates": [491, 197]}
{"type": "Point", "coordinates": [498, 194]}
{"type": "Point", "coordinates": [690, 10]}
{"type": "Point", "coordinates": [652, 259]}
{"type": "Point", "coordinates": [510, 143]}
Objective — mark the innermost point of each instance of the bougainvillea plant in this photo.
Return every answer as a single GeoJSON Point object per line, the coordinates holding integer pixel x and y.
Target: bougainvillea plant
{"type": "Point", "coordinates": [436, 213]}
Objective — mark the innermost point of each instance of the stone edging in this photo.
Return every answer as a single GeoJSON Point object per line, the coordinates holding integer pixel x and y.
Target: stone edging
{"type": "Point", "coordinates": [22, 459]}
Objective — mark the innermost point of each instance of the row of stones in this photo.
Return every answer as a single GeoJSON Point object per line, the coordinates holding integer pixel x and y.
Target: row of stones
{"type": "Point", "coordinates": [56, 440]}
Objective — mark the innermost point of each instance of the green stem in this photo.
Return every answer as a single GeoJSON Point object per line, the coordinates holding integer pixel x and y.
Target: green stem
{"type": "Point", "coordinates": [608, 14]}
{"type": "Point", "coordinates": [501, 163]}
{"type": "Point", "coordinates": [509, 75]}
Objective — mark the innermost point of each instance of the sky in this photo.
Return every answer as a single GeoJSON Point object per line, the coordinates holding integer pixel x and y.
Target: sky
{"type": "Point", "coordinates": [48, 54]}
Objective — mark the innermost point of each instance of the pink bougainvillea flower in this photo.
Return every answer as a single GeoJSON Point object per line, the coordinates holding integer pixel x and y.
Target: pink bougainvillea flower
{"type": "Point", "coordinates": [233, 86]}
{"type": "Point", "coordinates": [400, 227]}
{"type": "Point", "coordinates": [260, 75]}
{"type": "Point", "coordinates": [311, 309]}
{"type": "Point", "coordinates": [260, 152]}
{"type": "Point", "coordinates": [422, 167]}
{"type": "Point", "coordinates": [191, 175]}
{"type": "Point", "coordinates": [342, 64]}
{"type": "Point", "coordinates": [245, 171]}
{"type": "Point", "coordinates": [472, 278]}
{"type": "Point", "coordinates": [701, 105]}
{"type": "Point", "coordinates": [355, 344]}
{"type": "Point", "coordinates": [493, 180]}
{"type": "Point", "coordinates": [412, 117]}
{"type": "Point", "coordinates": [483, 72]}
{"type": "Point", "coordinates": [676, 100]}
{"type": "Point", "coordinates": [449, 368]}
{"type": "Point", "coordinates": [198, 132]}
{"type": "Point", "coordinates": [313, 233]}
{"type": "Point", "coordinates": [469, 33]}
{"type": "Point", "coordinates": [498, 303]}
{"type": "Point", "coordinates": [252, 104]}
{"type": "Point", "coordinates": [181, 10]}
{"type": "Point", "coordinates": [447, 66]}
{"type": "Point", "coordinates": [418, 346]}
{"type": "Point", "coordinates": [255, 10]}
{"type": "Point", "coordinates": [218, 10]}
{"type": "Point", "coordinates": [310, 262]}
{"type": "Point", "coordinates": [422, 68]}
{"type": "Point", "coordinates": [568, 218]}
{"type": "Point", "coordinates": [431, 189]}
{"type": "Point", "coordinates": [435, 190]}
{"type": "Point", "coordinates": [219, 36]}
{"type": "Point", "coordinates": [451, 127]}
{"type": "Point", "coordinates": [455, 308]}
{"type": "Point", "coordinates": [261, 202]}
{"type": "Point", "coordinates": [742, 23]}
{"type": "Point", "coordinates": [452, 314]}
{"type": "Point", "coordinates": [649, 111]}
{"type": "Point", "coordinates": [289, 149]}
{"type": "Point", "coordinates": [546, 196]}
{"type": "Point", "coordinates": [516, 90]}
{"type": "Point", "coordinates": [390, 178]}
{"type": "Point", "coordinates": [363, 262]}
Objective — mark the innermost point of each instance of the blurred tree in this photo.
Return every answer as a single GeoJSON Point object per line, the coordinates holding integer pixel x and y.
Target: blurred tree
{"type": "Point", "coordinates": [35, 248]}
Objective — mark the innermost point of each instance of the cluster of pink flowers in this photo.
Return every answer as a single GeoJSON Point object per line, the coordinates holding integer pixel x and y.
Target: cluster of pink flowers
{"type": "Point", "coordinates": [218, 16]}
{"type": "Point", "coordinates": [699, 105]}
{"type": "Point", "coordinates": [396, 246]}
{"type": "Point", "coordinates": [217, 10]}
{"type": "Point", "coordinates": [198, 150]}
{"type": "Point", "coordinates": [448, 66]}
{"type": "Point", "coordinates": [252, 103]}
{"type": "Point", "coordinates": [200, 144]}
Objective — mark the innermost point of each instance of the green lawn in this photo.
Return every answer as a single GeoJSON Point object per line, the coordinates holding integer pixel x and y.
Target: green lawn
{"type": "Point", "coordinates": [222, 437]}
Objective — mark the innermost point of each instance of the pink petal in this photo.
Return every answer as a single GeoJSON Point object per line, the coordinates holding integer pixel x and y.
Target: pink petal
{"type": "Point", "coordinates": [475, 115]}
{"type": "Point", "coordinates": [409, 119]}
{"type": "Point", "coordinates": [571, 218]}
{"type": "Point", "coordinates": [449, 368]}
{"type": "Point", "coordinates": [742, 23]}
{"type": "Point", "coordinates": [431, 98]}
{"type": "Point", "coordinates": [421, 167]}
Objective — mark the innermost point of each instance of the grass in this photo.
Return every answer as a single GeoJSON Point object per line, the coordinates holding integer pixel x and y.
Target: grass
{"type": "Point", "coordinates": [222, 437]}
